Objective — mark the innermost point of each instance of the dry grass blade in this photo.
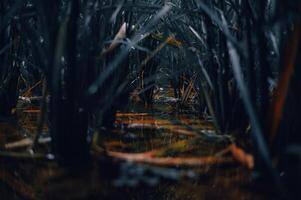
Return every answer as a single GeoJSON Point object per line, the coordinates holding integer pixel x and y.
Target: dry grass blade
{"type": "Point", "coordinates": [171, 161]}
{"type": "Point", "coordinates": [284, 80]}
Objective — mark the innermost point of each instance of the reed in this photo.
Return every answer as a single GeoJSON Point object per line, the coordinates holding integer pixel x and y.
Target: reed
{"type": "Point", "coordinates": [240, 57]}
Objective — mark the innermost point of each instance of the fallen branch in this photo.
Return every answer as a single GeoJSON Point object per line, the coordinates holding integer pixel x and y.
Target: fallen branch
{"type": "Point", "coordinates": [170, 161]}
{"type": "Point", "coordinates": [31, 111]}
{"type": "Point", "coordinates": [30, 99]}
{"type": "Point", "coordinates": [153, 157]}
{"type": "Point", "coordinates": [239, 155]}
{"type": "Point", "coordinates": [158, 124]}
{"type": "Point", "coordinates": [25, 143]}
{"type": "Point", "coordinates": [118, 114]}
{"type": "Point", "coordinates": [242, 157]}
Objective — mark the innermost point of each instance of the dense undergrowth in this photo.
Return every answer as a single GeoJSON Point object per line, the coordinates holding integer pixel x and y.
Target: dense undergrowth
{"type": "Point", "coordinates": [80, 61]}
